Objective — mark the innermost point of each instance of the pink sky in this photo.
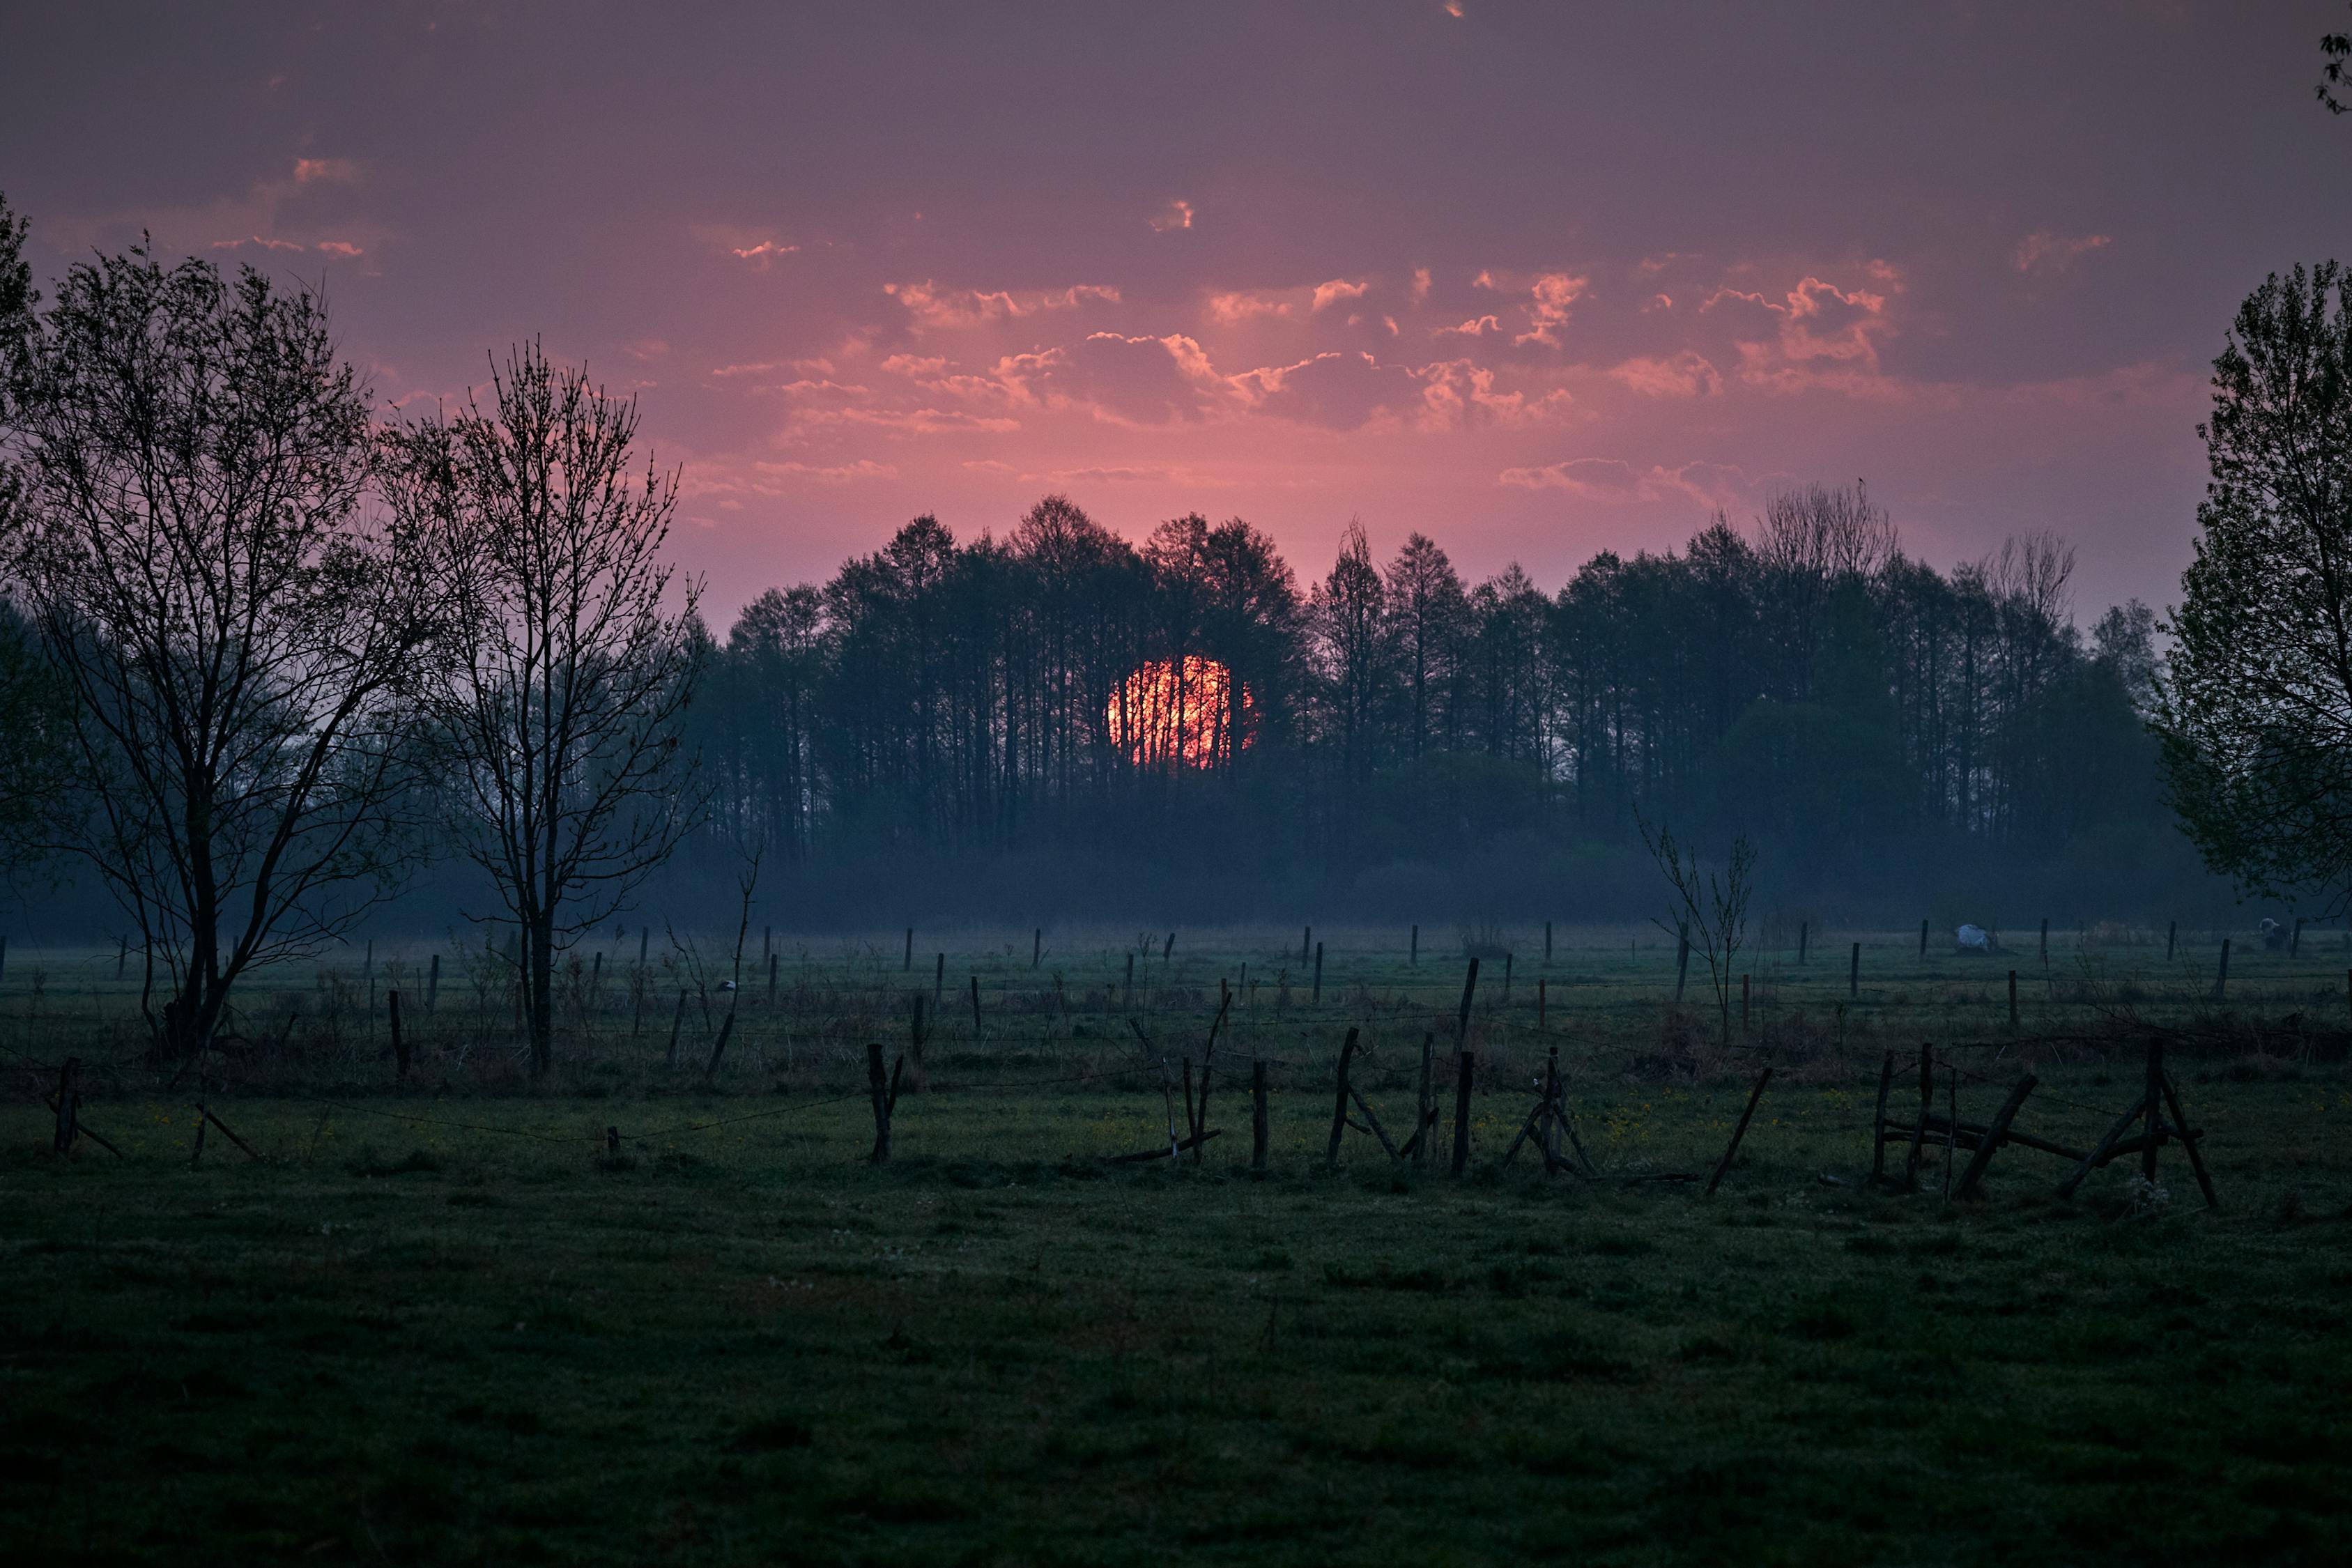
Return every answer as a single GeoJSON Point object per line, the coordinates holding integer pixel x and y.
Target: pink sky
{"type": "Point", "coordinates": [1536, 280]}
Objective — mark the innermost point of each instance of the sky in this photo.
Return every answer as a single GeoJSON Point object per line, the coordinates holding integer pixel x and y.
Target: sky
{"type": "Point", "coordinates": [1537, 279]}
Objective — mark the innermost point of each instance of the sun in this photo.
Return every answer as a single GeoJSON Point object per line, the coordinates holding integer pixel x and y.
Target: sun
{"type": "Point", "coordinates": [1187, 712]}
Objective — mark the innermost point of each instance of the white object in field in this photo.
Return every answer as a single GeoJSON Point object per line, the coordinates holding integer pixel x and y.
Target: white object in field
{"type": "Point", "coordinates": [1974, 940]}
{"type": "Point", "coordinates": [727, 985]}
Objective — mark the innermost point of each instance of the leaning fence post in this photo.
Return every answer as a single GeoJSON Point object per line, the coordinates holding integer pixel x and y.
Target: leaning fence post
{"type": "Point", "coordinates": [677, 1022]}
{"type": "Point", "coordinates": [1257, 1115]}
{"type": "Point", "coordinates": [718, 1049]}
{"type": "Point", "coordinates": [1995, 1133]}
{"type": "Point", "coordinates": [1126, 995]}
{"type": "Point", "coordinates": [399, 1044]}
{"type": "Point", "coordinates": [2222, 979]}
{"type": "Point", "coordinates": [1339, 1103]}
{"type": "Point", "coordinates": [1507, 979]}
{"type": "Point", "coordinates": [1739, 1131]}
{"type": "Point", "coordinates": [2172, 936]}
{"type": "Point", "coordinates": [975, 1007]}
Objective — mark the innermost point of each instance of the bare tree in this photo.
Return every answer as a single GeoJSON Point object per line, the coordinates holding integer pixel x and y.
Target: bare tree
{"type": "Point", "coordinates": [558, 721]}
{"type": "Point", "coordinates": [242, 642]}
{"type": "Point", "coordinates": [1710, 907]}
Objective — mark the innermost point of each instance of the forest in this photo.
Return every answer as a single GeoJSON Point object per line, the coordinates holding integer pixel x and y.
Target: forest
{"type": "Point", "coordinates": [1060, 705]}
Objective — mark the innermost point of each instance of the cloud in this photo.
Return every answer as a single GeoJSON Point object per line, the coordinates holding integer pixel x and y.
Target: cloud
{"type": "Point", "coordinates": [1459, 391]}
{"type": "Point", "coordinates": [339, 248]}
{"type": "Point", "coordinates": [2042, 251]}
{"type": "Point", "coordinates": [835, 474]}
{"type": "Point", "coordinates": [643, 348]}
{"type": "Point", "coordinates": [1714, 486]}
{"type": "Point", "coordinates": [313, 171]}
{"type": "Point", "coordinates": [1686, 375]}
{"type": "Point", "coordinates": [1815, 335]}
{"type": "Point", "coordinates": [934, 307]}
{"type": "Point", "coordinates": [1419, 284]}
{"type": "Point", "coordinates": [256, 240]}
{"type": "Point", "coordinates": [1553, 293]}
{"type": "Point", "coordinates": [1476, 327]}
{"type": "Point", "coordinates": [1176, 215]}
{"type": "Point", "coordinates": [763, 253]}
{"type": "Point", "coordinates": [1337, 390]}
{"type": "Point", "coordinates": [1243, 305]}
{"type": "Point", "coordinates": [1338, 288]}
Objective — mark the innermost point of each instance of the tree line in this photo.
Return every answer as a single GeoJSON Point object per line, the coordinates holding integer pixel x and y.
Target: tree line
{"type": "Point", "coordinates": [268, 649]}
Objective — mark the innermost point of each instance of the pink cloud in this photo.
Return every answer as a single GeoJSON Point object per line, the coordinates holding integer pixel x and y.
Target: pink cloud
{"type": "Point", "coordinates": [1553, 293]}
{"type": "Point", "coordinates": [1456, 392]}
{"type": "Point", "coordinates": [764, 252]}
{"type": "Point", "coordinates": [1714, 486]}
{"type": "Point", "coordinates": [256, 239]}
{"type": "Point", "coordinates": [937, 309]}
{"type": "Point", "coordinates": [1176, 215]}
{"type": "Point", "coordinates": [1338, 288]}
{"type": "Point", "coordinates": [1686, 375]}
{"type": "Point", "coordinates": [1243, 305]}
{"type": "Point", "coordinates": [339, 248]}
{"type": "Point", "coordinates": [312, 171]}
{"type": "Point", "coordinates": [2043, 251]}
{"type": "Point", "coordinates": [835, 474]}
{"type": "Point", "coordinates": [1476, 327]}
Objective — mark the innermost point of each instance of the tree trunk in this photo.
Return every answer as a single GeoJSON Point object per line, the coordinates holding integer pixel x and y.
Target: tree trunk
{"type": "Point", "coordinates": [541, 1000]}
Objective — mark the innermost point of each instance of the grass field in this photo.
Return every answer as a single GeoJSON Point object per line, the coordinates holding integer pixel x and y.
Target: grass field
{"type": "Point", "coordinates": [440, 1322]}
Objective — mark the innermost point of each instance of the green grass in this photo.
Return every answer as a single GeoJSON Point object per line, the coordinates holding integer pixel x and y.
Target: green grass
{"type": "Point", "coordinates": [439, 1324]}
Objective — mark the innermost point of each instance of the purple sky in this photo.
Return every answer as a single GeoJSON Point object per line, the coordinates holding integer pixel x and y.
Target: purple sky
{"type": "Point", "coordinates": [1537, 279]}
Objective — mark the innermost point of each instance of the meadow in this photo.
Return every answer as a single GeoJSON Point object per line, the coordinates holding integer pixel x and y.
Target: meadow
{"type": "Point", "coordinates": [645, 1312]}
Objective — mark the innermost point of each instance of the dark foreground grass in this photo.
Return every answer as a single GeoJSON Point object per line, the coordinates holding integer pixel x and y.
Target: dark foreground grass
{"type": "Point", "coordinates": [407, 1343]}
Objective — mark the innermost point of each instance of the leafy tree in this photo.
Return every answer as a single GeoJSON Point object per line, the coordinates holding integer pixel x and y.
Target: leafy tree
{"type": "Point", "coordinates": [2256, 717]}
{"type": "Point", "coordinates": [242, 642]}
{"type": "Point", "coordinates": [2336, 76]}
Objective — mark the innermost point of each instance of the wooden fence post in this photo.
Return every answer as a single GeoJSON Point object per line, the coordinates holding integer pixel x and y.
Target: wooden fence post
{"type": "Point", "coordinates": [1994, 1132]}
{"type": "Point", "coordinates": [1318, 975]}
{"type": "Point", "coordinates": [1036, 947]}
{"type": "Point", "coordinates": [1425, 1105]}
{"type": "Point", "coordinates": [771, 979]}
{"type": "Point", "coordinates": [1257, 1115]}
{"type": "Point", "coordinates": [1739, 1131]}
{"type": "Point", "coordinates": [1878, 1121]}
{"type": "Point", "coordinates": [1507, 978]}
{"type": "Point", "coordinates": [645, 942]}
{"type": "Point", "coordinates": [1413, 953]}
{"type": "Point", "coordinates": [910, 951]}
{"type": "Point", "coordinates": [939, 979]}
{"type": "Point", "coordinates": [2045, 939]}
{"type": "Point", "coordinates": [433, 985]}
{"type": "Point", "coordinates": [2221, 978]}
{"type": "Point", "coordinates": [1923, 939]}
{"type": "Point", "coordinates": [1927, 1108]}
{"type": "Point", "coordinates": [69, 1104]}
{"type": "Point", "coordinates": [1853, 975]}
{"type": "Point", "coordinates": [1340, 1101]}
{"type": "Point", "coordinates": [1306, 940]}
{"type": "Point", "coordinates": [1682, 958]}
{"type": "Point", "coordinates": [719, 1049]}
{"type": "Point", "coordinates": [2172, 936]}
{"type": "Point", "coordinates": [1127, 995]}
{"type": "Point", "coordinates": [975, 1007]}
{"type": "Point", "coordinates": [677, 1022]}
{"type": "Point", "coordinates": [1462, 1115]}
{"type": "Point", "coordinates": [399, 1044]}
{"type": "Point", "coordinates": [878, 1091]}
